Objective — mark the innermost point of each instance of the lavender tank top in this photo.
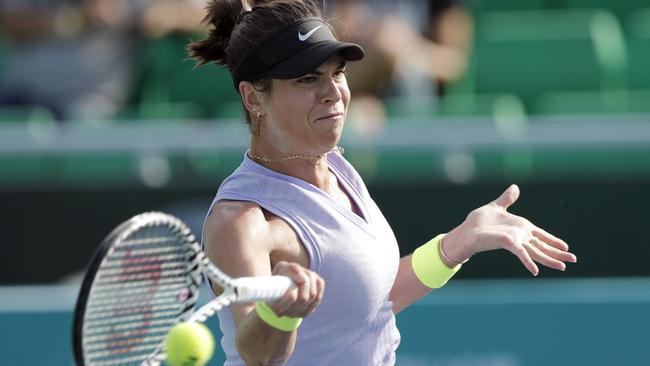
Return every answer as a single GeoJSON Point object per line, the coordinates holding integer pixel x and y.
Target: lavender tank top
{"type": "Point", "coordinates": [357, 255]}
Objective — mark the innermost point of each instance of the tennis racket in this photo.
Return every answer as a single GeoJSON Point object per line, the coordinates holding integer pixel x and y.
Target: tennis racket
{"type": "Point", "coordinates": [145, 278]}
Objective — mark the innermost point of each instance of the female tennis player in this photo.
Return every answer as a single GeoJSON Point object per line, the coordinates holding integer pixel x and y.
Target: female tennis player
{"type": "Point", "coordinates": [296, 207]}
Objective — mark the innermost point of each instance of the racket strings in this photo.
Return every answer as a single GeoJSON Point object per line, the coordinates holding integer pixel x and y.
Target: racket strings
{"type": "Point", "coordinates": [128, 324]}
{"type": "Point", "coordinates": [128, 276]}
{"type": "Point", "coordinates": [125, 349]}
{"type": "Point", "coordinates": [126, 344]}
{"type": "Point", "coordinates": [139, 291]}
{"type": "Point", "coordinates": [143, 265]}
{"type": "Point", "coordinates": [121, 306]}
{"type": "Point", "coordinates": [128, 360]}
{"type": "Point", "coordinates": [125, 310]}
{"type": "Point", "coordinates": [137, 287]}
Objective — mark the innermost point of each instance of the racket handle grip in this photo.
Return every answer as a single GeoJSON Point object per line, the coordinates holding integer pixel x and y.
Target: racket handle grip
{"type": "Point", "coordinates": [252, 289]}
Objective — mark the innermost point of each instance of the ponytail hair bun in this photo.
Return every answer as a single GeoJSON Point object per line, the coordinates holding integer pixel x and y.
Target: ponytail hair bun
{"type": "Point", "coordinates": [222, 16]}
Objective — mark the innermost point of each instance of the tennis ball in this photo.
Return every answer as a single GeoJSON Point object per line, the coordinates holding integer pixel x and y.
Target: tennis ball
{"type": "Point", "coordinates": [189, 344]}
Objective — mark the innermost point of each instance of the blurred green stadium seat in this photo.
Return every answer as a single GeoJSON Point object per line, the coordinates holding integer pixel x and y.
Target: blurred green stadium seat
{"type": "Point", "coordinates": [480, 105]}
{"type": "Point", "coordinates": [25, 114]}
{"type": "Point", "coordinates": [638, 32]}
{"type": "Point", "coordinates": [232, 111]}
{"type": "Point", "coordinates": [410, 107]}
{"type": "Point", "coordinates": [96, 169]}
{"type": "Point", "coordinates": [19, 170]}
{"type": "Point", "coordinates": [456, 105]}
{"type": "Point", "coordinates": [3, 53]}
{"type": "Point", "coordinates": [594, 102]}
{"type": "Point", "coordinates": [450, 105]}
{"type": "Point", "coordinates": [528, 53]}
{"type": "Point", "coordinates": [159, 111]}
{"type": "Point", "coordinates": [621, 8]}
{"type": "Point", "coordinates": [487, 5]}
{"type": "Point", "coordinates": [170, 77]}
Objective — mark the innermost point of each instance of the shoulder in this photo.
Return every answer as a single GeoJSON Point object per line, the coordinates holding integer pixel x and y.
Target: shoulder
{"type": "Point", "coordinates": [244, 239]}
{"type": "Point", "coordinates": [236, 218]}
{"type": "Point", "coordinates": [236, 237]}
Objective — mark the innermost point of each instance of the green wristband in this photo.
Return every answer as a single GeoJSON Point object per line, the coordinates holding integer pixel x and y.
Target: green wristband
{"type": "Point", "coordinates": [428, 265]}
{"type": "Point", "coordinates": [267, 315]}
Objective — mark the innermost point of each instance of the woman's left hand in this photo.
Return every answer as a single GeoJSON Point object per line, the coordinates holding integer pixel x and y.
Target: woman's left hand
{"type": "Point", "coordinates": [492, 227]}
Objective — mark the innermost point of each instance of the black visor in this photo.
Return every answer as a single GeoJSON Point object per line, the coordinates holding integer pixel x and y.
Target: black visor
{"type": "Point", "coordinates": [295, 51]}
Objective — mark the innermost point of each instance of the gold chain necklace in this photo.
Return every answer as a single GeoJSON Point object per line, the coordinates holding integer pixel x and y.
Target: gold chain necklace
{"type": "Point", "coordinates": [267, 159]}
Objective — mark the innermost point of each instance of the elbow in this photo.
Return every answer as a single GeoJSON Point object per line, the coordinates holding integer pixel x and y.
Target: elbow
{"type": "Point", "coordinates": [398, 306]}
{"type": "Point", "coordinates": [255, 360]}
{"type": "Point", "coordinates": [247, 355]}
{"type": "Point", "coordinates": [253, 356]}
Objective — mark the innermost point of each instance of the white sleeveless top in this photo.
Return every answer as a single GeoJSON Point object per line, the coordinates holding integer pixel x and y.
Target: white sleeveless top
{"type": "Point", "coordinates": [357, 256]}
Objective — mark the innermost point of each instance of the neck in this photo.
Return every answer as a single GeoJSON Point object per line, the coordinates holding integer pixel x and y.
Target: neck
{"type": "Point", "coordinates": [312, 168]}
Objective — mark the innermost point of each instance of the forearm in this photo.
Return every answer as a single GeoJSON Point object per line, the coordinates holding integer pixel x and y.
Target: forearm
{"type": "Point", "coordinates": [260, 344]}
{"type": "Point", "coordinates": [407, 288]}
{"type": "Point", "coordinates": [427, 268]}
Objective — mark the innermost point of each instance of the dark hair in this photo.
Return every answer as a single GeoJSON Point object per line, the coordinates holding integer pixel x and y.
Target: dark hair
{"type": "Point", "coordinates": [239, 27]}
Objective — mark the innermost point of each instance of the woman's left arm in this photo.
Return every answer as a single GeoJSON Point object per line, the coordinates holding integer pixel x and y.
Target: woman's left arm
{"type": "Point", "coordinates": [489, 227]}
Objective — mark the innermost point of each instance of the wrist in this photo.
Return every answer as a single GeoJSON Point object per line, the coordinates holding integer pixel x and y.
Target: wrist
{"type": "Point", "coordinates": [428, 265]}
{"type": "Point", "coordinates": [451, 253]}
{"type": "Point", "coordinates": [267, 315]}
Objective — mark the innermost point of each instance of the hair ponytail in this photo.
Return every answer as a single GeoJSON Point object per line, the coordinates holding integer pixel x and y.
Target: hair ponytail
{"type": "Point", "coordinates": [252, 21]}
{"type": "Point", "coordinates": [222, 16]}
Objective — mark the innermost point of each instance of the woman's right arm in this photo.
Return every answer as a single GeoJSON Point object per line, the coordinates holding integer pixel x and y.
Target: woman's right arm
{"type": "Point", "coordinates": [240, 239]}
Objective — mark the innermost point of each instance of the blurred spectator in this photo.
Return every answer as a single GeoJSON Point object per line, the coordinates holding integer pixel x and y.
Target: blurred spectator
{"type": "Point", "coordinates": [450, 26]}
{"type": "Point", "coordinates": [368, 81]}
{"type": "Point", "coordinates": [414, 47]}
{"type": "Point", "coordinates": [78, 58]}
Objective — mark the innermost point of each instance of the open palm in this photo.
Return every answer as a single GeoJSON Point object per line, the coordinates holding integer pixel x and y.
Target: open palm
{"type": "Point", "coordinates": [492, 227]}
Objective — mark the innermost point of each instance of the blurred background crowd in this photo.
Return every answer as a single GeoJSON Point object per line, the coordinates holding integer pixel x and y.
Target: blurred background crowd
{"type": "Point", "coordinates": [106, 60]}
{"type": "Point", "coordinates": [99, 60]}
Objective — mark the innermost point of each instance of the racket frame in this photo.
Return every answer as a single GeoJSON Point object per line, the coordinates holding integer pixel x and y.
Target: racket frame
{"type": "Point", "coordinates": [244, 289]}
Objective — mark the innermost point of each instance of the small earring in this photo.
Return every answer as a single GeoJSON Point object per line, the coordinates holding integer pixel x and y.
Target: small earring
{"type": "Point", "coordinates": [259, 115]}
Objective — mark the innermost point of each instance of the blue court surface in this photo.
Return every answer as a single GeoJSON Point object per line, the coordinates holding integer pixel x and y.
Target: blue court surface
{"type": "Point", "coordinates": [480, 323]}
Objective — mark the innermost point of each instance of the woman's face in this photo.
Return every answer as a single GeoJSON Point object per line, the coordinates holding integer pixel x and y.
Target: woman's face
{"type": "Point", "coordinates": [306, 115]}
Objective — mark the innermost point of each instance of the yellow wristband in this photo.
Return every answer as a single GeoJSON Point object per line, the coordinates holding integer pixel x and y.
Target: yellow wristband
{"type": "Point", "coordinates": [267, 315]}
{"type": "Point", "coordinates": [428, 265]}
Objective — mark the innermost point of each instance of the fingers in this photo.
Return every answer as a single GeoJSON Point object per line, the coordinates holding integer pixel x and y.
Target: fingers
{"type": "Point", "coordinates": [302, 299]}
{"type": "Point", "coordinates": [531, 251]}
{"type": "Point", "coordinates": [550, 239]}
{"type": "Point", "coordinates": [508, 197]}
{"type": "Point", "coordinates": [538, 251]}
{"type": "Point", "coordinates": [553, 252]}
{"type": "Point", "coordinates": [516, 248]}
{"type": "Point", "coordinates": [317, 291]}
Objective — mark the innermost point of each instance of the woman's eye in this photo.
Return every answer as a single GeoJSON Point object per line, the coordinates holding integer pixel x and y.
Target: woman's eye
{"type": "Point", "coordinates": [307, 80]}
{"type": "Point", "coordinates": [339, 74]}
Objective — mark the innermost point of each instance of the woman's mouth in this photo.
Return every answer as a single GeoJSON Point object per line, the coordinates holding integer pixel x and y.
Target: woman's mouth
{"type": "Point", "coordinates": [331, 116]}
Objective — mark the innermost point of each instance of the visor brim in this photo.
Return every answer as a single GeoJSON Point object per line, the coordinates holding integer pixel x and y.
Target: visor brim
{"type": "Point", "coordinates": [312, 57]}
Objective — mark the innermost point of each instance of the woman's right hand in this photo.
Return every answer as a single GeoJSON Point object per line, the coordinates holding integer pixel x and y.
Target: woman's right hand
{"type": "Point", "coordinates": [302, 299]}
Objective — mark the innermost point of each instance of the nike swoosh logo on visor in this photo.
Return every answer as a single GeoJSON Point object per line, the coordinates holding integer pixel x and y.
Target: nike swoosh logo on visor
{"type": "Point", "coordinates": [304, 37]}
